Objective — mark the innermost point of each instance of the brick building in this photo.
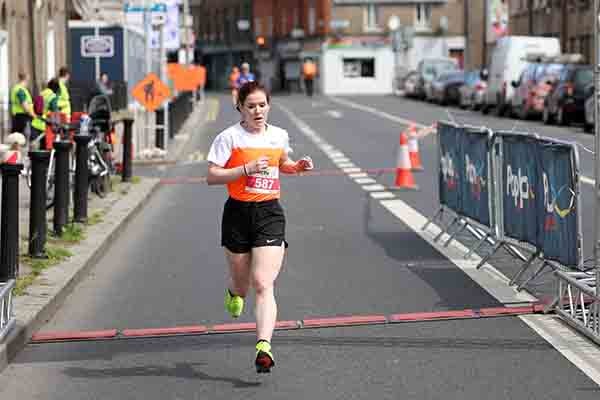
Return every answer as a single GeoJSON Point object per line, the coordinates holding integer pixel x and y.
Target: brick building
{"type": "Point", "coordinates": [572, 21]}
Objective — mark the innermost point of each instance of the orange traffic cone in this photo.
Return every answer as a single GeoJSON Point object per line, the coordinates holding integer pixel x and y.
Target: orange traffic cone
{"type": "Point", "coordinates": [413, 150]}
{"type": "Point", "coordinates": [404, 176]}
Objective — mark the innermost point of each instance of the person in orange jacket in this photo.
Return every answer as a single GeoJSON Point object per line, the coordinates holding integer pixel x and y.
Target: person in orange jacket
{"type": "Point", "coordinates": [309, 72]}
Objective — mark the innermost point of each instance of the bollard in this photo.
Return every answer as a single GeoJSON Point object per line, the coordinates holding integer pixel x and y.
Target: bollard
{"type": "Point", "coordinates": [37, 208]}
{"type": "Point", "coordinates": [61, 186]}
{"type": "Point", "coordinates": [159, 133]}
{"type": "Point", "coordinates": [9, 222]}
{"type": "Point", "coordinates": [127, 140]}
{"type": "Point", "coordinates": [80, 201]}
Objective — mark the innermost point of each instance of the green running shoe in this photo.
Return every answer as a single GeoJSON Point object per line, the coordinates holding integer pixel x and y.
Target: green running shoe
{"type": "Point", "coordinates": [264, 358]}
{"type": "Point", "coordinates": [233, 304]}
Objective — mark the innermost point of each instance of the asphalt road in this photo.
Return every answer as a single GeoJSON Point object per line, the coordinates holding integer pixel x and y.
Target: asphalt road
{"type": "Point", "coordinates": [347, 256]}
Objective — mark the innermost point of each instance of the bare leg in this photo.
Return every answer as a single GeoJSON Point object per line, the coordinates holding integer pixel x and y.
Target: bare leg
{"type": "Point", "coordinates": [266, 264]}
{"type": "Point", "coordinates": [239, 272]}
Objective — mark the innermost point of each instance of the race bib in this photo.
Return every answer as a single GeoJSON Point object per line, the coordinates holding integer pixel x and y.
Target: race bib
{"type": "Point", "coordinates": [266, 182]}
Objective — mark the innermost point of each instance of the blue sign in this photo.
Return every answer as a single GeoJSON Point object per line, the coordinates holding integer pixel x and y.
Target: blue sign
{"type": "Point", "coordinates": [451, 167]}
{"type": "Point", "coordinates": [558, 233]}
{"type": "Point", "coordinates": [476, 188]}
{"type": "Point", "coordinates": [519, 183]}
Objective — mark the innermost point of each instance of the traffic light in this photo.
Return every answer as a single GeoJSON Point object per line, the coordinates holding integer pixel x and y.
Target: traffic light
{"type": "Point", "coordinates": [260, 41]}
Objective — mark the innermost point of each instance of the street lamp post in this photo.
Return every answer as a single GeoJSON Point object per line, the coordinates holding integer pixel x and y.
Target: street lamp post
{"type": "Point", "coordinates": [394, 27]}
{"type": "Point", "coordinates": [443, 29]}
{"type": "Point", "coordinates": [597, 143]}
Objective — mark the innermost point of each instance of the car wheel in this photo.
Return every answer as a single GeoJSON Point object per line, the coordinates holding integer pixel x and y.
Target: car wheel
{"type": "Point", "coordinates": [588, 128]}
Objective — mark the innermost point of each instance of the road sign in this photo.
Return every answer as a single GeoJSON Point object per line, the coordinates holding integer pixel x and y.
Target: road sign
{"type": "Point", "coordinates": [151, 92]}
{"type": "Point", "coordinates": [97, 46]}
{"type": "Point", "coordinates": [158, 14]}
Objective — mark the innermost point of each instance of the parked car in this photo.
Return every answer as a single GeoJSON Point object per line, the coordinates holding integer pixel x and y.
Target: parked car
{"type": "Point", "coordinates": [428, 70]}
{"type": "Point", "coordinates": [588, 125]}
{"type": "Point", "coordinates": [566, 101]}
{"type": "Point", "coordinates": [472, 92]}
{"type": "Point", "coordinates": [507, 62]}
{"type": "Point", "coordinates": [445, 89]}
{"type": "Point", "coordinates": [533, 86]}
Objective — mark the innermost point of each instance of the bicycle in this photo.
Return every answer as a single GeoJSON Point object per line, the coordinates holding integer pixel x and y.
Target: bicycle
{"type": "Point", "coordinates": [62, 130]}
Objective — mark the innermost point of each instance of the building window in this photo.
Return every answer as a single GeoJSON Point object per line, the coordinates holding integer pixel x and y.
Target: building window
{"type": "Point", "coordinates": [296, 18]}
{"type": "Point", "coordinates": [312, 18]}
{"type": "Point", "coordinates": [258, 26]}
{"type": "Point", "coordinates": [270, 26]}
{"type": "Point", "coordinates": [370, 17]}
{"type": "Point", "coordinates": [283, 22]}
{"type": "Point", "coordinates": [423, 16]}
{"type": "Point", "coordinates": [359, 67]}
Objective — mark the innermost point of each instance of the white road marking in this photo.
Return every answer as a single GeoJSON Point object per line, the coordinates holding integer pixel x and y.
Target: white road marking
{"type": "Point", "coordinates": [373, 188]}
{"type": "Point", "coordinates": [346, 165]}
{"type": "Point", "coordinates": [574, 347]}
{"type": "Point", "coordinates": [365, 181]}
{"type": "Point", "coordinates": [334, 114]}
{"type": "Point", "coordinates": [358, 175]}
{"type": "Point", "coordinates": [351, 170]}
{"type": "Point", "coordinates": [340, 159]}
{"type": "Point", "coordinates": [382, 195]}
{"type": "Point", "coordinates": [374, 111]}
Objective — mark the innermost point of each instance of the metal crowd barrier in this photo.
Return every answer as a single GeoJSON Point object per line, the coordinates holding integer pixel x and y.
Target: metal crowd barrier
{"type": "Point", "coordinates": [577, 302]}
{"type": "Point", "coordinates": [7, 319]}
{"type": "Point", "coordinates": [530, 202]}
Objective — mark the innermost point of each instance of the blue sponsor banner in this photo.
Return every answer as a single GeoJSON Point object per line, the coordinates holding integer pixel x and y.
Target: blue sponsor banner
{"type": "Point", "coordinates": [558, 221]}
{"type": "Point", "coordinates": [519, 188]}
{"type": "Point", "coordinates": [475, 187]}
{"type": "Point", "coordinates": [451, 166]}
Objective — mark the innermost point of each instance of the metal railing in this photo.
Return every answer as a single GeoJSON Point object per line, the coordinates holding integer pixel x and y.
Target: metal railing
{"type": "Point", "coordinates": [7, 319]}
{"type": "Point", "coordinates": [577, 303]}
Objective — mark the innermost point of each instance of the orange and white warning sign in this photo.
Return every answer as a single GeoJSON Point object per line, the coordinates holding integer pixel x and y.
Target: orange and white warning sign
{"type": "Point", "coordinates": [151, 92]}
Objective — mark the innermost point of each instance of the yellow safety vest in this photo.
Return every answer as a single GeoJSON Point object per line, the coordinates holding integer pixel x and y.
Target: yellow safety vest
{"type": "Point", "coordinates": [48, 96]}
{"type": "Point", "coordinates": [15, 104]}
{"type": "Point", "coordinates": [64, 99]}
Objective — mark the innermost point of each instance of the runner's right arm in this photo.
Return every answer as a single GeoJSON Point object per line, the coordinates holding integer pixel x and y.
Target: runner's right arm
{"type": "Point", "coordinates": [218, 175]}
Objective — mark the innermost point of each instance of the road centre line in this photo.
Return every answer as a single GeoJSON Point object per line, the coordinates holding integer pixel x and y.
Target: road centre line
{"type": "Point", "coordinates": [574, 347]}
{"type": "Point", "coordinates": [402, 121]}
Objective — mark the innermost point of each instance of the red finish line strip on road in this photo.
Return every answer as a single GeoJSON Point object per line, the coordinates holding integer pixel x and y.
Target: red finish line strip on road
{"type": "Point", "coordinates": [310, 323]}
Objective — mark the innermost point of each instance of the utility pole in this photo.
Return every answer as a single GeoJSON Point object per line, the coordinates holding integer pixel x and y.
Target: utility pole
{"type": "Point", "coordinates": [485, 29]}
{"type": "Point", "coordinates": [187, 27]}
{"type": "Point", "coordinates": [597, 144]}
{"type": "Point", "coordinates": [467, 55]}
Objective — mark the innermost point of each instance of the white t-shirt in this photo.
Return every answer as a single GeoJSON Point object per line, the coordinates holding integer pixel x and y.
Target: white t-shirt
{"type": "Point", "coordinates": [235, 146]}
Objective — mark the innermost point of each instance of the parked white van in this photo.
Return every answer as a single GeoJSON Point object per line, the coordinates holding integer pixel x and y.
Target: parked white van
{"type": "Point", "coordinates": [507, 63]}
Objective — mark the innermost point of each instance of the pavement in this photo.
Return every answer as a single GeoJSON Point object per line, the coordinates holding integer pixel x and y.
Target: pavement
{"type": "Point", "coordinates": [41, 300]}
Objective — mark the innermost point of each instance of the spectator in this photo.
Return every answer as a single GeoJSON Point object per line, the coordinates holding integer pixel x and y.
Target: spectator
{"type": "Point", "coordinates": [21, 104]}
{"type": "Point", "coordinates": [309, 71]}
{"type": "Point", "coordinates": [103, 85]}
{"type": "Point", "coordinates": [64, 98]}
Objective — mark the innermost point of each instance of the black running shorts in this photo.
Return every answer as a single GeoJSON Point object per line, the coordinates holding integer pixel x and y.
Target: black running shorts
{"type": "Point", "coordinates": [247, 225]}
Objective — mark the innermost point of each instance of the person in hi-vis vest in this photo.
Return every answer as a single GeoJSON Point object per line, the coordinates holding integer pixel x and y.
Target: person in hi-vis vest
{"type": "Point", "coordinates": [309, 71]}
{"type": "Point", "coordinates": [64, 98]}
{"type": "Point", "coordinates": [21, 105]}
{"type": "Point", "coordinates": [49, 94]}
